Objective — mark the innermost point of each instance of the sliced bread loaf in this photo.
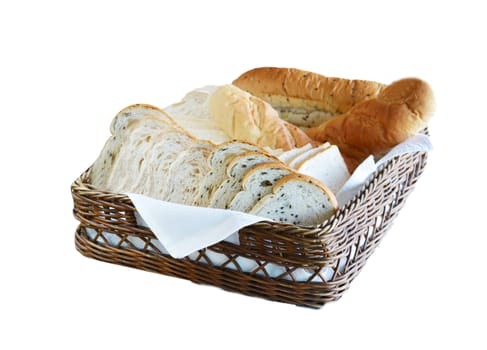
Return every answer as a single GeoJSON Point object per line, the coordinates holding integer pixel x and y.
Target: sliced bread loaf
{"type": "Point", "coordinates": [236, 169]}
{"type": "Point", "coordinates": [217, 162]}
{"type": "Point", "coordinates": [297, 199]}
{"type": "Point", "coordinates": [257, 183]}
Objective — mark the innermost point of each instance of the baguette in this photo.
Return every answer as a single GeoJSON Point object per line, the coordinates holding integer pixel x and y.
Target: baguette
{"type": "Point", "coordinates": [373, 127]}
{"type": "Point", "coordinates": [304, 98]}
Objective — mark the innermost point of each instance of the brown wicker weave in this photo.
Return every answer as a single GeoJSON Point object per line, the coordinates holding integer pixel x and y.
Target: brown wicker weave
{"type": "Point", "coordinates": [342, 243]}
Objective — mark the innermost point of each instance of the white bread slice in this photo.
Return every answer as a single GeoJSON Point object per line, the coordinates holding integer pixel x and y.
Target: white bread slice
{"type": "Point", "coordinates": [328, 167]}
{"type": "Point", "coordinates": [121, 126]}
{"type": "Point", "coordinates": [124, 119]}
{"type": "Point", "coordinates": [257, 183]}
{"type": "Point", "coordinates": [131, 159]}
{"type": "Point", "coordinates": [297, 199]}
{"type": "Point", "coordinates": [217, 162]}
{"type": "Point", "coordinates": [235, 172]}
{"type": "Point", "coordinates": [186, 173]}
{"type": "Point", "coordinates": [287, 156]}
{"type": "Point", "coordinates": [296, 161]}
{"type": "Point", "coordinates": [153, 178]}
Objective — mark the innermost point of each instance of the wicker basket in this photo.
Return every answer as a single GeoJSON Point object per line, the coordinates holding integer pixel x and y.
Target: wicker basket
{"type": "Point", "coordinates": [332, 253]}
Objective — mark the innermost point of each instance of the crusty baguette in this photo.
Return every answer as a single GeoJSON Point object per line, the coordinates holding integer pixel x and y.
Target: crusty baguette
{"type": "Point", "coordinates": [305, 98]}
{"type": "Point", "coordinates": [248, 118]}
{"type": "Point", "coordinates": [376, 125]}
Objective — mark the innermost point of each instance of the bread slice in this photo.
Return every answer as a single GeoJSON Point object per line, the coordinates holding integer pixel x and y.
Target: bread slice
{"type": "Point", "coordinates": [235, 172]}
{"type": "Point", "coordinates": [257, 183]}
{"type": "Point", "coordinates": [153, 178]}
{"type": "Point", "coordinates": [297, 199]}
{"type": "Point", "coordinates": [120, 128]}
{"type": "Point", "coordinates": [305, 98]}
{"type": "Point", "coordinates": [103, 165]}
{"type": "Point", "coordinates": [203, 129]}
{"type": "Point", "coordinates": [186, 172]}
{"type": "Point", "coordinates": [300, 158]}
{"type": "Point", "coordinates": [328, 167]}
{"type": "Point", "coordinates": [217, 162]}
{"type": "Point", "coordinates": [286, 157]}
{"type": "Point", "coordinates": [124, 119]}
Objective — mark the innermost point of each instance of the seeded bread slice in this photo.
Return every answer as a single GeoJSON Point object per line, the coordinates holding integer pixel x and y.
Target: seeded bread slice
{"type": "Point", "coordinates": [217, 162]}
{"type": "Point", "coordinates": [186, 173]}
{"type": "Point", "coordinates": [257, 183]}
{"type": "Point", "coordinates": [328, 167]}
{"type": "Point", "coordinates": [235, 172]}
{"type": "Point", "coordinates": [297, 199]}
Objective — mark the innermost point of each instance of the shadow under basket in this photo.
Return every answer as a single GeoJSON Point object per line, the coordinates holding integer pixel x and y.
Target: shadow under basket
{"type": "Point", "coordinates": [306, 266]}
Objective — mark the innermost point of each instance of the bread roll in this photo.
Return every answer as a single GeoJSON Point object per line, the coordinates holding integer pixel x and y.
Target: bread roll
{"type": "Point", "coordinates": [304, 98]}
{"type": "Point", "coordinates": [248, 118]}
{"type": "Point", "coordinates": [373, 127]}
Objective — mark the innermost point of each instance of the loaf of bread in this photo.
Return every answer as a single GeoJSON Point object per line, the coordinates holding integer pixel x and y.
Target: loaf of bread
{"type": "Point", "coordinates": [374, 126]}
{"type": "Point", "coordinates": [248, 118]}
{"type": "Point", "coordinates": [304, 98]}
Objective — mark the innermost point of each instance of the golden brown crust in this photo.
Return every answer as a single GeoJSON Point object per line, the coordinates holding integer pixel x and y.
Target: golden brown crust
{"type": "Point", "coordinates": [375, 126]}
{"type": "Point", "coordinates": [334, 95]}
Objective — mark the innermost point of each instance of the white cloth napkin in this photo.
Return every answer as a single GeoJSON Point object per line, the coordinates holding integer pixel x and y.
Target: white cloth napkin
{"type": "Point", "coordinates": [183, 229]}
{"type": "Point", "coordinates": [416, 143]}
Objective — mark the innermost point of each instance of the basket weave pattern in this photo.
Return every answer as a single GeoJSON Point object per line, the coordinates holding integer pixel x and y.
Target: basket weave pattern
{"type": "Point", "coordinates": [333, 253]}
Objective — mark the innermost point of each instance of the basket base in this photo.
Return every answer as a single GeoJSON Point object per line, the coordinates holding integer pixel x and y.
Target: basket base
{"type": "Point", "coordinates": [313, 295]}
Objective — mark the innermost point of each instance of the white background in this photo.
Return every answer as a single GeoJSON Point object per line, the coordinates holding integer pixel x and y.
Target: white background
{"type": "Point", "coordinates": [67, 69]}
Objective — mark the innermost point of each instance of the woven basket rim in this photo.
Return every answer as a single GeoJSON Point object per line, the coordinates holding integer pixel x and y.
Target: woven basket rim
{"type": "Point", "coordinates": [82, 185]}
